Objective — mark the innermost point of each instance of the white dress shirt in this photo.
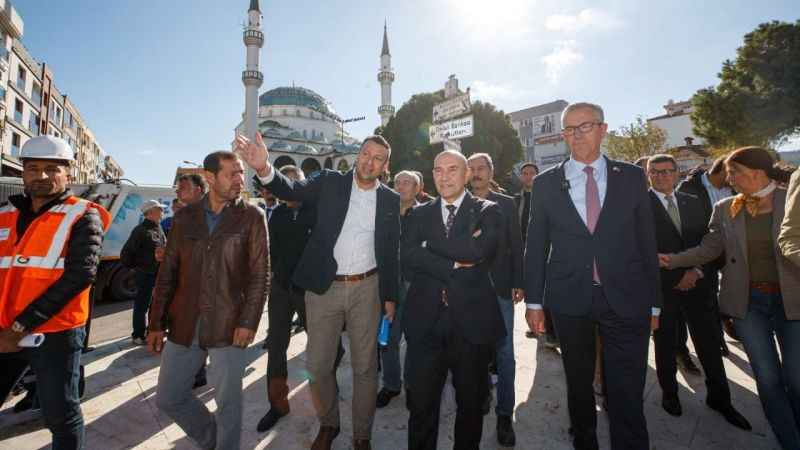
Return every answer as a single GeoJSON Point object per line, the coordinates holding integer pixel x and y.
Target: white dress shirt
{"type": "Point", "coordinates": [576, 177]}
{"type": "Point", "coordinates": [715, 194]}
{"type": "Point", "coordinates": [456, 203]}
{"type": "Point", "coordinates": [354, 251]}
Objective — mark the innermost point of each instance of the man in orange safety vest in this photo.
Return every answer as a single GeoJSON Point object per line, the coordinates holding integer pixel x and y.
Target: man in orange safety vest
{"type": "Point", "coordinates": [50, 245]}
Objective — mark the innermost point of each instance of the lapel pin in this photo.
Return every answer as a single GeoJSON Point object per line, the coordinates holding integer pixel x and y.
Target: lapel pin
{"type": "Point", "coordinates": [615, 168]}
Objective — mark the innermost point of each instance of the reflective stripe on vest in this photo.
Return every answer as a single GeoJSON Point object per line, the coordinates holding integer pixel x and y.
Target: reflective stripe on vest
{"type": "Point", "coordinates": [31, 263]}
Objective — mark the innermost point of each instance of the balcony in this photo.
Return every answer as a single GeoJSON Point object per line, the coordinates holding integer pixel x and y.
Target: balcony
{"type": "Point", "coordinates": [252, 78]}
{"type": "Point", "coordinates": [253, 37]}
{"type": "Point", "coordinates": [386, 109]}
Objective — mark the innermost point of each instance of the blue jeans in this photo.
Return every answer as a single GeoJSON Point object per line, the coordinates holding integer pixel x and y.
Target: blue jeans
{"type": "Point", "coordinates": [506, 365]}
{"type": "Point", "coordinates": [390, 356]}
{"type": "Point", "coordinates": [56, 364]}
{"type": "Point", "coordinates": [144, 293]}
{"type": "Point", "coordinates": [777, 378]}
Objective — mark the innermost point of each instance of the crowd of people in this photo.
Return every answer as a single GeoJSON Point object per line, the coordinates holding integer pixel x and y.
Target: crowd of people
{"type": "Point", "coordinates": [606, 255]}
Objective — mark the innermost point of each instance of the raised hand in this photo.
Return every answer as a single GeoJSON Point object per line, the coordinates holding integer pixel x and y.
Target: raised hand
{"type": "Point", "coordinates": [254, 154]}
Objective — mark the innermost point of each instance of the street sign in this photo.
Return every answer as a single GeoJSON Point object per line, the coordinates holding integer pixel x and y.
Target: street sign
{"type": "Point", "coordinates": [454, 129]}
{"type": "Point", "coordinates": [452, 107]}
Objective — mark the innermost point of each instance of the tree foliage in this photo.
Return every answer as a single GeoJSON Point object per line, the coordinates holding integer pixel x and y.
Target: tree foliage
{"type": "Point", "coordinates": [407, 133]}
{"type": "Point", "coordinates": [633, 141]}
{"type": "Point", "coordinates": [757, 101]}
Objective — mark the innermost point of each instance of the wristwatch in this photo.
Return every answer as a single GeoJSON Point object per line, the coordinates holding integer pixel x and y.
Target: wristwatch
{"type": "Point", "coordinates": [17, 327]}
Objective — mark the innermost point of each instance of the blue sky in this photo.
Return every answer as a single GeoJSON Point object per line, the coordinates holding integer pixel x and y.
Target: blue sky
{"type": "Point", "coordinates": [159, 81]}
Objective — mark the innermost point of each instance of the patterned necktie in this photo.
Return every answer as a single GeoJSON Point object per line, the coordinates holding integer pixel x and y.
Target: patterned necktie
{"type": "Point", "coordinates": [672, 210]}
{"type": "Point", "coordinates": [592, 209]}
{"type": "Point", "coordinates": [451, 219]}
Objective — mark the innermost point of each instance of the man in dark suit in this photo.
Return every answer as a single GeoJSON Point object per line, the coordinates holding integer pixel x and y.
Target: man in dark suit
{"type": "Point", "coordinates": [355, 237]}
{"type": "Point", "coordinates": [595, 216]}
{"type": "Point", "coordinates": [710, 186]}
{"type": "Point", "coordinates": [507, 277]}
{"type": "Point", "coordinates": [681, 224]}
{"type": "Point", "coordinates": [452, 321]}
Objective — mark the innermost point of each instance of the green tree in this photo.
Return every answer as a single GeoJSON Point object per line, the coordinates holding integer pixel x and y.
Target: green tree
{"type": "Point", "coordinates": [757, 101]}
{"type": "Point", "coordinates": [407, 133]}
{"type": "Point", "coordinates": [633, 141]}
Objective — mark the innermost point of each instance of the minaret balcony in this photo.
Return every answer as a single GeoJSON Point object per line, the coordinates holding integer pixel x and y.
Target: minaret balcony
{"type": "Point", "coordinates": [252, 77]}
{"type": "Point", "coordinates": [253, 37]}
{"type": "Point", "coordinates": [386, 109]}
{"type": "Point", "coordinates": [384, 76]}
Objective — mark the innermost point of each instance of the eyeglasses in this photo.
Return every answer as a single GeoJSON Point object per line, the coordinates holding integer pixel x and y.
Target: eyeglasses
{"type": "Point", "coordinates": [655, 172]}
{"type": "Point", "coordinates": [584, 128]}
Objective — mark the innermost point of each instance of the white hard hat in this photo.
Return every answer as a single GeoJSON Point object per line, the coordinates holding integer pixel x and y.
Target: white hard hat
{"type": "Point", "coordinates": [46, 147]}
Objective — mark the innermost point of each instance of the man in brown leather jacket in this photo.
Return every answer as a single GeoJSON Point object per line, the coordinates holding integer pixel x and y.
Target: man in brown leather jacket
{"type": "Point", "coordinates": [208, 300]}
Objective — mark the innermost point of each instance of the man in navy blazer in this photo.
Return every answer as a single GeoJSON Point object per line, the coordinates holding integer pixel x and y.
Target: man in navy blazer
{"type": "Point", "coordinates": [355, 238]}
{"type": "Point", "coordinates": [591, 259]}
{"type": "Point", "coordinates": [452, 320]}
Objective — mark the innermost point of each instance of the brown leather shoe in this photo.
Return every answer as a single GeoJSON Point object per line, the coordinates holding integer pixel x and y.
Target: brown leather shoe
{"type": "Point", "coordinates": [361, 444]}
{"type": "Point", "coordinates": [325, 438]}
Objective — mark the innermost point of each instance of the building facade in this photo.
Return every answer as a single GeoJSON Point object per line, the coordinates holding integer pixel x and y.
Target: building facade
{"type": "Point", "coordinates": [31, 105]}
{"type": "Point", "coordinates": [677, 124]}
{"type": "Point", "coordinates": [539, 131]}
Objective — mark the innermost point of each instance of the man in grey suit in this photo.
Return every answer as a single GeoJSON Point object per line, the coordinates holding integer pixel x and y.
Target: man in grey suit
{"type": "Point", "coordinates": [595, 216]}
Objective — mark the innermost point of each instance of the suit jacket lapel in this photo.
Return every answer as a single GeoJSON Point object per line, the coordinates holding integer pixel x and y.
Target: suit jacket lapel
{"type": "Point", "coordinates": [345, 189]}
{"type": "Point", "coordinates": [436, 218]}
{"type": "Point", "coordinates": [660, 210]}
{"type": "Point", "coordinates": [740, 229]}
{"type": "Point", "coordinates": [566, 199]}
{"type": "Point", "coordinates": [463, 214]}
{"type": "Point", "coordinates": [614, 193]}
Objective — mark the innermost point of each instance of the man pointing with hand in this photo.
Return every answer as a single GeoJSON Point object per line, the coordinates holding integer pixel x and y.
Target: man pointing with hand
{"type": "Point", "coordinates": [349, 270]}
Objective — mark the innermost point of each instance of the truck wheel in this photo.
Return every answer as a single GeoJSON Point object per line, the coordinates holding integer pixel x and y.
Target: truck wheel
{"type": "Point", "coordinates": [123, 284]}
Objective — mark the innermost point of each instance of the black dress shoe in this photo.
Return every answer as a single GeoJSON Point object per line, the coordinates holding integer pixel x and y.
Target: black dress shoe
{"type": "Point", "coordinates": [505, 432]}
{"type": "Point", "coordinates": [672, 405]}
{"type": "Point", "coordinates": [269, 420]}
{"type": "Point", "coordinates": [685, 363]}
{"type": "Point", "coordinates": [384, 397]}
{"type": "Point", "coordinates": [731, 415]}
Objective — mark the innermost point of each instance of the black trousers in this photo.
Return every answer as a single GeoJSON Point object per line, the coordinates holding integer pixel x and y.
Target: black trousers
{"type": "Point", "coordinates": [625, 342]}
{"type": "Point", "coordinates": [681, 330]}
{"type": "Point", "coordinates": [283, 303]}
{"type": "Point", "coordinates": [430, 360]}
{"type": "Point", "coordinates": [697, 307]}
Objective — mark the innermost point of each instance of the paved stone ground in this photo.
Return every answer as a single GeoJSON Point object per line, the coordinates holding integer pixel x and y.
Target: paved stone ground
{"type": "Point", "coordinates": [120, 410]}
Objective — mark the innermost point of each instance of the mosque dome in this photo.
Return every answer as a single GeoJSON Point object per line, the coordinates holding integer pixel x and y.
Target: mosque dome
{"type": "Point", "coordinates": [296, 96]}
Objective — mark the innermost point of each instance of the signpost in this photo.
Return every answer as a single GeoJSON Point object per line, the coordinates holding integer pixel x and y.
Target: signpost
{"type": "Point", "coordinates": [450, 120]}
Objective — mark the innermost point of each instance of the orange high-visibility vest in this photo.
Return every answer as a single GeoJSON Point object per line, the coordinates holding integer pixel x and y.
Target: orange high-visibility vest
{"type": "Point", "coordinates": [29, 267]}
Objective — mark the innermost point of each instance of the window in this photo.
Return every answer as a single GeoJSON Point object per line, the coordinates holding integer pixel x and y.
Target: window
{"type": "Point", "coordinates": [15, 144]}
{"type": "Point", "coordinates": [67, 119]}
{"type": "Point", "coordinates": [18, 110]}
{"type": "Point", "coordinates": [2, 93]}
{"type": "Point", "coordinates": [21, 76]}
{"type": "Point", "coordinates": [36, 94]}
{"type": "Point", "coordinates": [33, 123]}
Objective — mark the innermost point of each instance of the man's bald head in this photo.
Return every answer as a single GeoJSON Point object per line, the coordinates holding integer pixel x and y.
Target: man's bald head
{"type": "Point", "coordinates": [450, 154]}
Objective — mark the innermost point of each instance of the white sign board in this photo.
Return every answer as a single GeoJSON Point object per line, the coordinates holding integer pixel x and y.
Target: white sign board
{"type": "Point", "coordinates": [452, 107]}
{"type": "Point", "coordinates": [454, 129]}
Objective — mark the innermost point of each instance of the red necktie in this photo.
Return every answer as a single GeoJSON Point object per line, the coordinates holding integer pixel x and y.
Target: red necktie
{"type": "Point", "coordinates": [592, 208]}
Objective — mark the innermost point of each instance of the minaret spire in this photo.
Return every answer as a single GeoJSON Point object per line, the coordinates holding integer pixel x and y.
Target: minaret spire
{"type": "Point", "coordinates": [254, 6]}
{"type": "Point", "coordinates": [386, 78]}
{"type": "Point", "coordinates": [385, 50]}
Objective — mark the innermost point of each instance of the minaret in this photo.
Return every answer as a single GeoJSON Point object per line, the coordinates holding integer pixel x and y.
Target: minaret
{"type": "Point", "coordinates": [252, 77]}
{"type": "Point", "coordinates": [386, 77]}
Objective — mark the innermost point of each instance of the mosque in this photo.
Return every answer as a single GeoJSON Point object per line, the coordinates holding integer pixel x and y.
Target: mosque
{"type": "Point", "coordinates": [299, 126]}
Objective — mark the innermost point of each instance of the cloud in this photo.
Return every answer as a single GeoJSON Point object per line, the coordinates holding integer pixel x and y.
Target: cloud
{"type": "Point", "coordinates": [492, 93]}
{"type": "Point", "coordinates": [565, 55]}
{"type": "Point", "coordinates": [585, 19]}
